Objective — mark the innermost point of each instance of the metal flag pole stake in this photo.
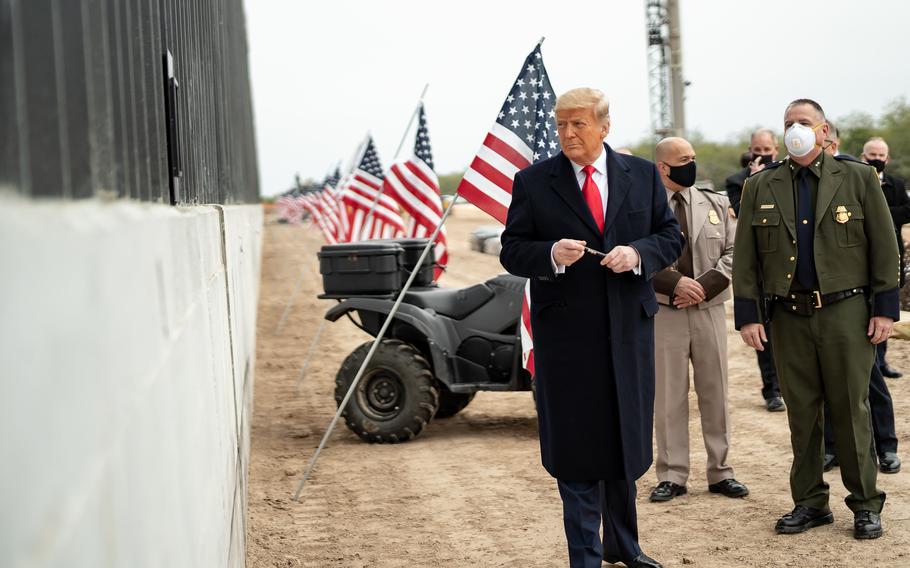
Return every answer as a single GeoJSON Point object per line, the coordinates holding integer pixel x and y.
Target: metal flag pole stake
{"type": "Point", "coordinates": [309, 355]}
{"type": "Point", "coordinates": [290, 304]}
{"type": "Point", "coordinates": [388, 320]}
{"type": "Point", "coordinates": [369, 215]}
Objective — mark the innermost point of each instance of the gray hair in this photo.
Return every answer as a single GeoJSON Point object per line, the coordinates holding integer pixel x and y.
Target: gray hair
{"type": "Point", "coordinates": [761, 131]}
{"type": "Point", "coordinates": [876, 139]}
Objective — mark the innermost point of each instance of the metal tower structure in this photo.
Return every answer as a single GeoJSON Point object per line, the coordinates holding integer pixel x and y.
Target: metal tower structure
{"type": "Point", "coordinates": [665, 81]}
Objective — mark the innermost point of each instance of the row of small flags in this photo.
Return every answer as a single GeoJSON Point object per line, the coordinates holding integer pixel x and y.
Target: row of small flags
{"type": "Point", "coordinates": [367, 202]}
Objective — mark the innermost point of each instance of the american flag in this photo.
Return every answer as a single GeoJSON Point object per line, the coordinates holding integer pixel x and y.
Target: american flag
{"type": "Point", "coordinates": [524, 133]}
{"type": "Point", "coordinates": [360, 193]}
{"type": "Point", "coordinates": [320, 215]}
{"type": "Point", "coordinates": [332, 208]}
{"type": "Point", "coordinates": [290, 207]}
{"type": "Point", "coordinates": [414, 184]}
{"type": "Point", "coordinates": [333, 194]}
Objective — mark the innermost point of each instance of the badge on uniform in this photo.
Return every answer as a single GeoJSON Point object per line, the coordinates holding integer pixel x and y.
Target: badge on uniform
{"type": "Point", "coordinates": [841, 215]}
{"type": "Point", "coordinates": [767, 206]}
{"type": "Point", "coordinates": [713, 218]}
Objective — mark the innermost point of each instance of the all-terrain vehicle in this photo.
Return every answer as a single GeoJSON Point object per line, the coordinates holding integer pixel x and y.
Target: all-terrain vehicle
{"type": "Point", "coordinates": [443, 346]}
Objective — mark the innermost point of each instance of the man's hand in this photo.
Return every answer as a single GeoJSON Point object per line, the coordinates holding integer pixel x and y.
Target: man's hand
{"type": "Point", "coordinates": [568, 251]}
{"type": "Point", "coordinates": [756, 166]}
{"type": "Point", "coordinates": [688, 292]}
{"type": "Point", "coordinates": [879, 329]}
{"type": "Point", "coordinates": [754, 336]}
{"type": "Point", "coordinates": [621, 259]}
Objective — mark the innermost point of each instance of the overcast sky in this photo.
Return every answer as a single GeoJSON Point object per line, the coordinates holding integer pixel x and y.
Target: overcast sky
{"type": "Point", "coordinates": [325, 73]}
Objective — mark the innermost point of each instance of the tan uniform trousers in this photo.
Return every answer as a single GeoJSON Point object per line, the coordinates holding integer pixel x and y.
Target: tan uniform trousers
{"type": "Point", "coordinates": [699, 336]}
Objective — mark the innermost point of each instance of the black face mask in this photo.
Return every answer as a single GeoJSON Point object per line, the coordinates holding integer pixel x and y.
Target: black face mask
{"type": "Point", "coordinates": [683, 175]}
{"type": "Point", "coordinates": [879, 165]}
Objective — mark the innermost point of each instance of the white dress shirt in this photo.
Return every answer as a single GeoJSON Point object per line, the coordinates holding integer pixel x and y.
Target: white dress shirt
{"type": "Point", "coordinates": [600, 179]}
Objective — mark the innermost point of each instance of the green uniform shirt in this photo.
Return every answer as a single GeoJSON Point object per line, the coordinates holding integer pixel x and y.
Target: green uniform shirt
{"type": "Point", "coordinates": [816, 172]}
{"type": "Point", "coordinates": [854, 243]}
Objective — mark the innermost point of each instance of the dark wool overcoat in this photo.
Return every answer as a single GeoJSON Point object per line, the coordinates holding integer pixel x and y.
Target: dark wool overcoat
{"type": "Point", "coordinates": [593, 329]}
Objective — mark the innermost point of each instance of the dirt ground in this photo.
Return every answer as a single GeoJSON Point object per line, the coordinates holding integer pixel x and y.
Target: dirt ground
{"type": "Point", "coordinates": [470, 491]}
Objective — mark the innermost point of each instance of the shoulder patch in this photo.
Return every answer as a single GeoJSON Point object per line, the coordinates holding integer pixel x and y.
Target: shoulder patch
{"type": "Point", "coordinates": [770, 166]}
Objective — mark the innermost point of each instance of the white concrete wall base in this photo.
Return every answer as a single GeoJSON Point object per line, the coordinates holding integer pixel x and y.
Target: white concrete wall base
{"type": "Point", "coordinates": [127, 345]}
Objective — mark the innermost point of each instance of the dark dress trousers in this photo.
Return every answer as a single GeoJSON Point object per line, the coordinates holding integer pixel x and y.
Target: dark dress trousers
{"type": "Point", "coordinates": [880, 401]}
{"type": "Point", "coordinates": [882, 407]}
{"type": "Point", "coordinates": [593, 329]}
{"type": "Point", "coordinates": [899, 205]}
{"type": "Point", "coordinates": [770, 385]}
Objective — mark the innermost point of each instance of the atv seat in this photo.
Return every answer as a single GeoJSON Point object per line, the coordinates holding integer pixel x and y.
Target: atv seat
{"type": "Point", "coordinates": [455, 303]}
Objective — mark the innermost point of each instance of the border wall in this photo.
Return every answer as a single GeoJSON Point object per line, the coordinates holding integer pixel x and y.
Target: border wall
{"type": "Point", "coordinates": [130, 249]}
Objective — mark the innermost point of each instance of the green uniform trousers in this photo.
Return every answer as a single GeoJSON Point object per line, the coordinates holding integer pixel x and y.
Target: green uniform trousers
{"type": "Point", "coordinates": [823, 359]}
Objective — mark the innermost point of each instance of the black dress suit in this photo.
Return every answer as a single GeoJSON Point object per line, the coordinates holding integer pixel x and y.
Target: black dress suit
{"type": "Point", "coordinates": [899, 204]}
{"type": "Point", "coordinates": [734, 187]}
{"type": "Point", "coordinates": [770, 385]}
{"type": "Point", "coordinates": [593, 339]}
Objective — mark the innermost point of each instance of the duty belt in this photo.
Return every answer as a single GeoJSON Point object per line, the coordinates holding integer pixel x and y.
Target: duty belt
{"type": "Point", "coordinates": [805, 303]}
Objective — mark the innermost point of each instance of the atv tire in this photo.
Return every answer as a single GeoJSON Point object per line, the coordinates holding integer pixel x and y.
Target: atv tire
{"type": "Point", "coordinates": [394, 400]}
{"type": "Point", "coordinates": [451, 403]}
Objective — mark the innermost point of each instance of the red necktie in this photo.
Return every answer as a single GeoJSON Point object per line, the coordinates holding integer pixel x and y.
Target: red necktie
{"type": "Point", "coordinates": [591, 193]}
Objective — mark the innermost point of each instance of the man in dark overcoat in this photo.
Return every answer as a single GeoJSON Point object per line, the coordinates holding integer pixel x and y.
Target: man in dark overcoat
{"type": "Point", "coordinates": [592, 320]}
{"type": "Point", "coordinates": [875, 153]}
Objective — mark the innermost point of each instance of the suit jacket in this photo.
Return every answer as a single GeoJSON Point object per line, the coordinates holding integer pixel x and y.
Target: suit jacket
{"type": "Point", "coordinates": [711, 240]}
{"type": "Point", "coordinates": [593, 329]}
{"type": "Point", "coordinates": [899, 205]}
{"type": "Point", "coordinates": [854, 244]}
{"type": "Point", "coordinates": [734, 186]}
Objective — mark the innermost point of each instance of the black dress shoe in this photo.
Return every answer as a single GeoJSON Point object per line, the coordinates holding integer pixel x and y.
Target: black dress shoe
{"type": "Point", "coordinates": [890, 372]}
{"type": "Point", "coordinates": [775, 404]}
{"type": "Point", "coordinates": [667, 490]}
{"type": "Point", "coordinates": [729, 488]}
{"type": "Point", "coordinates": [643, 561]}
{"type": "Point", "coordinates": [801, 519]}
{"type": "Point", "coordinates": [866, 524]}
{"type": "Point", "coordinates": [889, 463]}
{"type": "Point", "coordinates": [830, 462]}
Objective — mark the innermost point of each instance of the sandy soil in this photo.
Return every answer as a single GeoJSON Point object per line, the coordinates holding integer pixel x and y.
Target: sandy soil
{"type": "Point", "coordinates": [470, 491]}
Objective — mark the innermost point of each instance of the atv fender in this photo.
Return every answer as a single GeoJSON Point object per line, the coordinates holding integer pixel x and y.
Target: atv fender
{"type": "Point", "coordinates": [439, 331]}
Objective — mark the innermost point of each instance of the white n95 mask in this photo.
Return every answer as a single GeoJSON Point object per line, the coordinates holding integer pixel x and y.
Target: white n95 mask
{"type": "Point", "coordinates": [800, 139]}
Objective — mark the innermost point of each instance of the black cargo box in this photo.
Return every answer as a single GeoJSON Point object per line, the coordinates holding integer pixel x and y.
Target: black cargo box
{"type": "Point", "coordinates": [369, 267]}
{"type": "Point", "coordinates": [413, 248]}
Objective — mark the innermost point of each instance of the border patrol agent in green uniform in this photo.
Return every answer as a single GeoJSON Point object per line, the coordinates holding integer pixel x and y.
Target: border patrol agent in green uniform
{"type": "Point", "coordinates": [815, 233]}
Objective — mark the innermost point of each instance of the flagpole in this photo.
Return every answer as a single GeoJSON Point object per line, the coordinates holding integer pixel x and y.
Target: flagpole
{"type": "Point", "coordinates": [369, 214]}
{"type": "Point", "coordinates": [388, 320]}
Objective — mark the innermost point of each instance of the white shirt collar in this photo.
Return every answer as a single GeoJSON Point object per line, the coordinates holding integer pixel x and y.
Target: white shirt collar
{"type": "Point", "coordinates": [600, 163]}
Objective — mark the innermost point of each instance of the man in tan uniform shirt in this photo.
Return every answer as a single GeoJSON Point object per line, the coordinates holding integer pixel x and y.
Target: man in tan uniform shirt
{"type": "Point", "coordinates": [691, 325]}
